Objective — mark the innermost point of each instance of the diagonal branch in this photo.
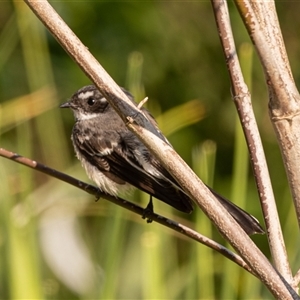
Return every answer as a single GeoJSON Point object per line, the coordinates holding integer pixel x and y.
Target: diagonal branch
{"type": "Point", "coordinates": [186, 231]}
{"type": "Point", "coordinates": [242, 100]}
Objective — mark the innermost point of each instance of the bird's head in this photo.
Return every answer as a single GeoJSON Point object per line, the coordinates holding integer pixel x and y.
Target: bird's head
{"type": "Point", "coordinates": [88, 102]}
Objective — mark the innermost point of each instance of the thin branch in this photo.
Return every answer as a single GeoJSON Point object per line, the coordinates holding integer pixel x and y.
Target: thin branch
{"type": "Point", "coordinates": [186, 231]}
{"type": "Point", "coordinates": [242, 100]}
{"type": "Point", "coordinates": [166, 155]}
{"type": "Point", "coordinates": [261, 21]}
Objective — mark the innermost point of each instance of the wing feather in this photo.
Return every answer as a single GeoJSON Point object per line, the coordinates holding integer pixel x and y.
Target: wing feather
{"type": "Point", "coordinates": [119, 162]}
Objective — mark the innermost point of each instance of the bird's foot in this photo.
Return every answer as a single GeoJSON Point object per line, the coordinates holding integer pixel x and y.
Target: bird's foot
{"type": "Point", "coordinates": [98, 195]}
{"type": "Point", "coordinates": [148, 211]}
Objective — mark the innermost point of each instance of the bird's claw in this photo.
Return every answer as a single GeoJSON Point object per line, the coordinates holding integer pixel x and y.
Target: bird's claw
{"type": "Point", "coordinates": [98, 195]}
{"type": "Point", "coordinates": [148, 211]}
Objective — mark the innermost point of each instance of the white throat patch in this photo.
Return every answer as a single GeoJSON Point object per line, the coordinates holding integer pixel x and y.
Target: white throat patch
{"type": "Point", "coordinates": [82, 116]}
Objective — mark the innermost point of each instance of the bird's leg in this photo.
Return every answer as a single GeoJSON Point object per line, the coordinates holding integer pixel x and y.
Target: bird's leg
{"type": "Point", "coordinates": [148, 210]}
{"type": "Point", "coordinates": [98, 195]}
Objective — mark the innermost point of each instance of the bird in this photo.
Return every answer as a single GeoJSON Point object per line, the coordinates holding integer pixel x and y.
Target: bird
{"type": "Point", "coordinates": [117, 161]}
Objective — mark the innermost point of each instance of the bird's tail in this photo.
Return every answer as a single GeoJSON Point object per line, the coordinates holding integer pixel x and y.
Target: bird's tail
{"type": "Point", "coordinates": [245, 220]}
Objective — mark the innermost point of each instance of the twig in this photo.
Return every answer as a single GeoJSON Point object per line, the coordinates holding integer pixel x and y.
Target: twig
{"type": "Point", "coordinates": [261, 21]}
{"type": "Point", "coordinates": [140, 105]}
{"type": "Point", "coordinates": [242, 100]}
{"type": "Point", "coordinates": [127, 205]}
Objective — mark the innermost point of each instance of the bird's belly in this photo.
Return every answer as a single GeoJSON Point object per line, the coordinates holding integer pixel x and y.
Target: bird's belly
{"type": "Point", "coordinates": [103, 182]}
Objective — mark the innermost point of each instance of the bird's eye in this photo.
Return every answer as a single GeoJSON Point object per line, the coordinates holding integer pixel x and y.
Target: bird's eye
{"type": "Point", "coordinates": [91, 101]}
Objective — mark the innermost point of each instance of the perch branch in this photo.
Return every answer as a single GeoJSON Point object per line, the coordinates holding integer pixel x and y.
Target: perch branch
{"type": "Point", "coordinates": [186, 231]}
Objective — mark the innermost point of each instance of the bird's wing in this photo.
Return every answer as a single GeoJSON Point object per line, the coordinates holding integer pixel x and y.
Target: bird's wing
{"type": "Point", "coordinates": [121, 161]}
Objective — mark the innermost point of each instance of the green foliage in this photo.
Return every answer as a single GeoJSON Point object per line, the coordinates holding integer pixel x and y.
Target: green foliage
{"type": "Point", "coordinates": [55, 241]}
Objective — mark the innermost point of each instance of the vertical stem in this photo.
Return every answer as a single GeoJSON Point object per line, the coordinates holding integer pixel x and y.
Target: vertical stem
{"type": "Point", "coordinates": [261, 21]}
{"type": "Point", "coordinates": [242, 100]}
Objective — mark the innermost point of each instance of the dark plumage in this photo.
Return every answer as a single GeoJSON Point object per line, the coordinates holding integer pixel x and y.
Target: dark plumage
{"type": "Point", "coordinates": [115, 159]}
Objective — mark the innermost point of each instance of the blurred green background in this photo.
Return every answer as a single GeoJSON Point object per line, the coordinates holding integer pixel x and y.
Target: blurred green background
{"type": "Point", "coordinates": [55, 241]}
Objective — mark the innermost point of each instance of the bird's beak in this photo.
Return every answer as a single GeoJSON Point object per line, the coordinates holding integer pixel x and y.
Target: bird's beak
{"type": "Point", "coordinates": [65, 105]}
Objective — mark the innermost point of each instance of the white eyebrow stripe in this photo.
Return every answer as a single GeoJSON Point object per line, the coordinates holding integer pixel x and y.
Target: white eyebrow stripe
{"type": "Point", "coordinates": [85, 95]}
